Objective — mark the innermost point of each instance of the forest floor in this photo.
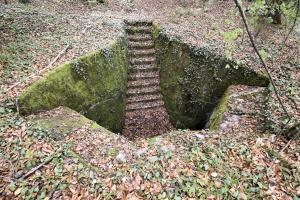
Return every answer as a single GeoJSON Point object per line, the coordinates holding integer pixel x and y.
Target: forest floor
{"type": "Point", "coordinates": [179, 165]}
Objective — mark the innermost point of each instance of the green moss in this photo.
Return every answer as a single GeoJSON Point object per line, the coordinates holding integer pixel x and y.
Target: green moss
{"type": "Point", "coordinates": [112, 152]}
{"type": "Point", "coordinates": [156, 30]}
{"type": "Point", "coordinates": [62, 122]}
{"type": "Point", "coordinates": [221, 108]}
{"type": "Point", "coordinates": [95, 126]}
{"type": "Point", "coordinates": [172, 57]}
{"type": "Point", "coordinates": [154, 140]}
{"type": "Point", "coordinates": [94, 84]}
{"type": "Point", "coordinates": [193, 79]}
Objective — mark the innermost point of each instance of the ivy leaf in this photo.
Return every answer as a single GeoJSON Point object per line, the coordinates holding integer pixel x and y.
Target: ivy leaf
{"type": "Point", "coordinates": [12, 187]}
{"type": "Point", "coordinates": [263, 54]}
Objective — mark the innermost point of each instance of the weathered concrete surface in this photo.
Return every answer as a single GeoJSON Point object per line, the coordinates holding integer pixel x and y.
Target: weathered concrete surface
{"type": "Point", "coordinates": [193, 79]}
{"type": "Point", "coordinates": [94, 85]}
{"type": "Point", "coordinates": [240, 110]}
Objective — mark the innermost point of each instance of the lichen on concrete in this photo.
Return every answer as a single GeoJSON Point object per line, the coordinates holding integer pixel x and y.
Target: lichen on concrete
{"type": "Point", "coordinates": [94, 85]}
{"type": "Point", "coordinates": [62, 121]}
{"type": "Point", "coordinates": [193, 79]}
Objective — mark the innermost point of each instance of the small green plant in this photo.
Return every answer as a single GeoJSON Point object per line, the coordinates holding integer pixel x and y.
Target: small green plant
{"type": "Point", "coordinates": [265, 12]}
{"type": "Point", "coordinates": [230, 37]}
{"type": "Point", "coordinates": [258, 15]}
{"type": "Point", "coordinates": [264, 54]}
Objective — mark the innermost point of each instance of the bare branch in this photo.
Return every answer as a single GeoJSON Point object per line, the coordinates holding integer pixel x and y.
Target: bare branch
{"type": "Point", "coordinates": [44, 69]}
{"type": "Point", "coordinates": [42, 164]}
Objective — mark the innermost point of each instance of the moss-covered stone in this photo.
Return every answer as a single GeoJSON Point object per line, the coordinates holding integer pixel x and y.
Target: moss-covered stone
{"type": "Point", "coordinates": [217, 117]}
{"type": "Point", "coordinates": [94, 85]}
{"type": "Point", "coordinates": [193, 79]}
{"type": "Point", "coordinates": [62, 121]}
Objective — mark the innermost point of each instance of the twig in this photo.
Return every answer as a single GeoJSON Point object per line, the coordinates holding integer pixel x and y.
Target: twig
{"type": "Point", "coordinates": [51, 193]}
{"type": "Point", "coordinates": [287, 144]}
{"type": "Point", "coordinates": [44, 69]}
{"type": "Point", "coordinates": [42, 164]}
{"type": "Point", "coordinates": [17, 105]}
{"type": "Point", "coordinates": [294, 23]}
{"type": "Point", "coordinates": [260, 57]}
{"type": "Point", "coordinates": [7, 177]}
{"type": "Point", "coordinates": [56, 58]}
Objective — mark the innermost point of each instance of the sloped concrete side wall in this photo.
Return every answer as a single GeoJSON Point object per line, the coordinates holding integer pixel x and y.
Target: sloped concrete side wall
{"type": "Point", "coordinates": [193, 79]}
{"type": "Point", "coordinates": [94, 85]}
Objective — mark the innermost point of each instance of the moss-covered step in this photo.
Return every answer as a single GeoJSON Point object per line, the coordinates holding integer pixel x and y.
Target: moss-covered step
{"type": "Point", "coordinates": [239, 110]}
{"type": "Point", "coordinates": [94, 85]}
{"type": "Point", "coordinates": [61, 121]}
{"type": "Point", "coordinates": [193, 79]}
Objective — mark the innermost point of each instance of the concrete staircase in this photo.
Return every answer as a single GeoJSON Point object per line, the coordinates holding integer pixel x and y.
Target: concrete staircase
{"type": "Point", "coordinates": [145, 112]}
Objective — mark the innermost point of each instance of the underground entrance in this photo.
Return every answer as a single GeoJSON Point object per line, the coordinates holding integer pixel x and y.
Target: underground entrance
{"type": "Point", "coordinates": [144, 70]}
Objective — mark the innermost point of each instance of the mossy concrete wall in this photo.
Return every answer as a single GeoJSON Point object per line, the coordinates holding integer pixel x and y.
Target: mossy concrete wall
{"type": "Point", "coordinates": [94, 85]}
{"type": "Point", "coordinates": [193, 79]}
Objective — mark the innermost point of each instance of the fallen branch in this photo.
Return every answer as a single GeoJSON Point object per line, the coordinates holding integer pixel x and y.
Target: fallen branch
{"type": "Point", "coordinates": [294, 23]}
{"type": "Point", "coordinates": [42, 164]}
{"type": "Point", "coordinates": [260, 58]}
{"type": "Point", "coordinates": [51, 193]}
{"type": "Point", "coordinates": [44, 69]}
{"type": "Point", "coordinates": [294, 129]}
{"type": "Point", "coordinates": [56, 58]}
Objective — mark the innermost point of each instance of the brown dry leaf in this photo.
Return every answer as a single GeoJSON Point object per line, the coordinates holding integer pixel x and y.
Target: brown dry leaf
{"type": "Point", "coordinates": [242, 196]}
{"type": "Point", "coordinates": [218, 184]}
{"type": "Point", "coordinates": [212, 197]}
{"type": "Point", "coordinates": [47, 148]}
{"type": "Point", "coordinates": [132, 196]}
{"type": "Point", "coordinates": [156, 188]}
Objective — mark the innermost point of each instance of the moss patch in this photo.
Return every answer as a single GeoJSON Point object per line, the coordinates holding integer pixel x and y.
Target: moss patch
{"type": "Point", "coordinates": [217, 116]}
{"type": "Point", "coordinates": [94, 85]}
{"type": "Point", "coordinates": [193, 79]}
{"type": "Point", "coordinates": [62, 121]}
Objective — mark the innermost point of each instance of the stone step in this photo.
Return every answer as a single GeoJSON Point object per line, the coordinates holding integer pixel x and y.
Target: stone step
{"type": "Point", "coordinates": [144, 105]}
{"type": "Point", "coordinates": [132, 30]}
{"type": "Point", "coordinates": [141, 52]}
{"type": "Point", "coordinates": [143, 83]}
{"type": "Point", "coordinates": [141, 45]}
{"type": "Point", "coordinates": [138, 23]}
{"type": "Point", "coordinates": [144, 98]}
{"type": "Point", "coordinates": [142, 61]}
{"type": "Point", "coordinates": [143, 75]}
{"type": "Point", "coordinates": [132, 43]}
{"type": "Point", "coordinates": [143, 68]}
{"type": "Point", "coordinates": [139, 37]}
{"type": "Point", "coordinates": [143, 91]}
{"type": "Point", "coordinates": [135, 114]}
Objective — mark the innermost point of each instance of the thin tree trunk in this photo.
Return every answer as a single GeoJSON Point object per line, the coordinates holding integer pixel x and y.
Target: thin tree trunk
{"type": "Point", "coordinates": [261, 59]}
